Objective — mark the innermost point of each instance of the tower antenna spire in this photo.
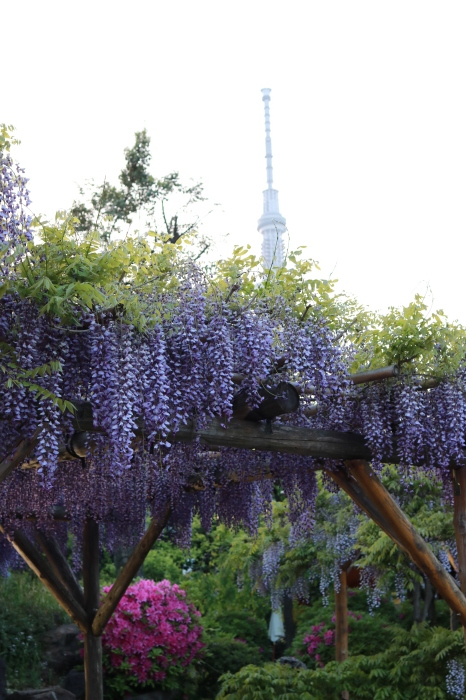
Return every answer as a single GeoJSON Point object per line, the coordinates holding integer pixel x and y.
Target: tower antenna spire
{"type": "Point", "coordinates": [268, 140]}
{"type": "Point", "coordinates": [271, 225]}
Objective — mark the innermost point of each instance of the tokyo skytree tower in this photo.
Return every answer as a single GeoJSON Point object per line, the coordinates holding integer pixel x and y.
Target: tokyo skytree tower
{"type": "Point", "coordinates": [272, 224]}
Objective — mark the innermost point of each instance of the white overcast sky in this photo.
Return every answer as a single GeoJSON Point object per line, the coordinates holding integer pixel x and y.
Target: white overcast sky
{"type": "Point", "coordinates": [368, 117]}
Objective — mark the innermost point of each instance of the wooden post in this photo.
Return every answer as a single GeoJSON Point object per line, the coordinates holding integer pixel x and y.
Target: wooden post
{"type": "Point", "coordinates": [459, 522]}
{"type": "Point", "coordinates": [405, 534]}
{"type": "Point", "coordinates": [129, 571]}
{"type": "Point", "coordinates": [92, 643]}
{"type": "Point", "coordinates": [341, 623]}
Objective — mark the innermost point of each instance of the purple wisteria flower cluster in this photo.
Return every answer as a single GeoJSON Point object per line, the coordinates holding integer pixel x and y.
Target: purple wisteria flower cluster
{"type": "Point", "coordinates": [15, 221]}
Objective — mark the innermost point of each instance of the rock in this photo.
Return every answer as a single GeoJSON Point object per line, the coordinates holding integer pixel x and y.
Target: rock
{"type": "Point", "coordinates": [54, 693]}
{"type": "Point", "coordinates": [75, 683]}
{"type": "Point", "coordinates": [62, 648]}
{"type": "Point", "coordinates": [2, 679]}
{"type": "Point", "coordinates": [291, 661]}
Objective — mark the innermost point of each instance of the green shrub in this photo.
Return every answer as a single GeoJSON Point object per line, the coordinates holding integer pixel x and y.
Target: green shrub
{"type": "Point", "coordinates": [270, 681]}
{"type": "Point", "coordinates": [414, 666]}
{"type": "Point", "coordinates": [222, 656]}
{"type": "Point", "coordinates": [27, 611]}
{"type": "Point", "coordinates": [367, 632]}
{"type": "Point", "coordinates": [244, 625]}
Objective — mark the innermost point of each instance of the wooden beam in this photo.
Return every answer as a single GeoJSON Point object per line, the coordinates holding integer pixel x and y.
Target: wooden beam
{"type": "Point", "coordinates": [93, 671]}
{"type": "Point", "coordinates": [310, 442]}
{"type": "Point", "coordinates": [375, 375]}
{"type": "Point", "coordinates": [44, 571]}
{"type": "Point", "coordinates": [418, 550]}
{"type": "Point", "coordinates": [130, 570]}
{"type": "Point", "coordinates": [60, 566]}
{"type": "Point", "coordinates": [20, 453]}
{"type": "Point", "coordinates": [349, 484]}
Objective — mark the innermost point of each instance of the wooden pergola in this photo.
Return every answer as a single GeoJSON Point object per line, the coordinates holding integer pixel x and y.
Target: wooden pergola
{"type": "Point", "coordinates": [352, 472]}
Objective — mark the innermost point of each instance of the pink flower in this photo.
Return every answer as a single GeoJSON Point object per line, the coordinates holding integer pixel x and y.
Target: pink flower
{"type": "Point", "coordinates": [152, 616]}
{"type": "Point", "coordinates": [328, 637]}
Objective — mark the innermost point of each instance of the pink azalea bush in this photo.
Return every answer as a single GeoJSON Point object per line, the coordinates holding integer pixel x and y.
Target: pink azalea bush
{"type": "Point", "coordinates": [153, 632]}
{"type": "Point", "coordinates": [322, 636]}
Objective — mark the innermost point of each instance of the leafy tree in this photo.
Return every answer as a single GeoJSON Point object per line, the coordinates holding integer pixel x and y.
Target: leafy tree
{"type": "Point", "coordinates": [112, 209]}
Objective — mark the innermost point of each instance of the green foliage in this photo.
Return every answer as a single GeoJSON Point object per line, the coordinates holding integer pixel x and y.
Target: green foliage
{"type": "Point", "coordinates": [428, 512]}
{"type": "Point", "coordinates": [412, 667]}
{"type": "Point", "coordinates": [366, 632]}
{"type": "Point", "coordinates": [68, 272]}
{"type": "Point", "coordinates": [305, 293]}
{"type": "Point", "coordinates": [212, 584]}
{"type": "Point", "coordinates": [270, 680]}
{"type": "Point", "coordinates": [164, 562]}
{"type": "Point", "coordinates": [6, 138]}
{"type": "Point", "coordinates": [411, 337]}
{"type": "Point", "coordinates": [222, 656]}
{"type": "Point", "coordinates": [27, 611]}
{"type": "Point", "coordinates": [109, 208]}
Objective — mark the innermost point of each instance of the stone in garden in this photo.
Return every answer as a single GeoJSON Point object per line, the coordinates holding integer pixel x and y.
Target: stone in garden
{"type": "Point", "coordinates": [2, 679]}
{"type": "Point", "coordinates": [291, 661]}
{"type": "Point", "coordinates": [75, 683]}
{"type": "Point", "coordinates": [62, 648]}
{"type": "Point", "coordinates": [53, 693]}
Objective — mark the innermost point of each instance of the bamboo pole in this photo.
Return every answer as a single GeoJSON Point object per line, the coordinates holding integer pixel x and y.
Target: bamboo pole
{"type": "Point", "coordinates": [341, 623]}
{"type": "Point", "coordinates": [45, 573]}
{"type": "Point", "coordinates": [59, 564]}
{"type": "Point", "coordinates": [129, 571]}
{"type": "Point", "coordinates": [92, 643]}
{"type": "Point", "coordinates": [406, 535]}
{"type": "Point", "coordinates": [22, 450]}
{"type": "Point", "coordinates": [459, 522]}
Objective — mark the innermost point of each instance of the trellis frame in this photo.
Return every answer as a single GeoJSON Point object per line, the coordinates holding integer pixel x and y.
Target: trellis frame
{"type": "Point", "coordinates": [356, 478]}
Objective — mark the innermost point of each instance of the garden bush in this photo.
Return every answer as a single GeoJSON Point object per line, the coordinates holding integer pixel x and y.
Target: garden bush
{"type": "Point", "coordinates": [423, 662]}
{"type": "Point", "coordinates": [222, 656]}
{"type": "Point", "coordinates": [151, 640]}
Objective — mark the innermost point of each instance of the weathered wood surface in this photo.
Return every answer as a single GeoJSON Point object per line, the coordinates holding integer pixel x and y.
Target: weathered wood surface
{"type": "Point", "coordinates": [349, 484]}
{"type": "Point", "coordinates": [237, 433]}
{"type": "Point", "coordinates": [130, 570]}
{"type": "Point", "coordinates": [406, 535]}
{"type": "Point", "coordinates": [45, 573]}
{"type": "Point", "coordinates": [459, 523]}
{"type": "Point", "coordinates": [21, 452]}
{"type": "Point", "coordinates": [60, 566]}
{"type": "Point", "coordinates": [93, 671]}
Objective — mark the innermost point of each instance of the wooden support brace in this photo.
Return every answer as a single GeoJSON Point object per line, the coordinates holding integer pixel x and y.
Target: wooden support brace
{"type": "Point", "coordinates": [130, 570]}
{"type": "Point", "coordinates": [21, 452]}
{"type": "Point", "coordinates": [59, 564]}
{"type": "Point", "coordinates": [405, 534]}
{"type": "Point", "coordinates": [44, 571]}
{"type": "Point", "coordinates": [349, 484]}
